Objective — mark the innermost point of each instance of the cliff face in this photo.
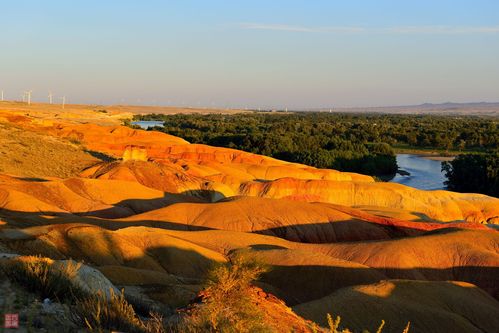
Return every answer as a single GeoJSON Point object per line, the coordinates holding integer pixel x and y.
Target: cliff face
{"type": "Point", "coordinates": [153, 213]}
{"type": "Point", "coordinates": [134, 153]}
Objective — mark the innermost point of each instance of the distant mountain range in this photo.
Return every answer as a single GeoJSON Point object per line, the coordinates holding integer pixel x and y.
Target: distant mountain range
{"type": "Point", "coordinates": [447, 108]}
{"type": "Point", "coordinates": [456, 105]}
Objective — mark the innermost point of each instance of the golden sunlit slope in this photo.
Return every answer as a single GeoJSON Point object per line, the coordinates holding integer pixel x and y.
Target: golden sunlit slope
{"type": "Point", "coordinates": [227, 172]}
{"type": "Point", "coordinates": [450, 254]}
{"type": "Point", "coordinates": [28, 154]}
{"type": "Point", "coordinates": [433, 205]}
{"type": "Point", "coordinates": [455, 255]}
{"type": "Point", "coordinates": [26, 202]}
{"type": "Point", "coordinates": [104, 198]}
{"type": "Point", "coordinates": [292, 220]}
{"type": "Point", "coordinates": [232, 178]}
{"type": "Point", "coordinates": [297, 221]}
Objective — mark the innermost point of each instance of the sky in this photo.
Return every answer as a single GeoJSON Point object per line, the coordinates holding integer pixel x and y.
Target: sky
{"type": "Point", "coordinates": [251, 54]}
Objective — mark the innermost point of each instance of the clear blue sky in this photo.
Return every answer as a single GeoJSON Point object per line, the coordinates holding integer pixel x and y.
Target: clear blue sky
{"type": "Point", "coordinates": [258, 53]}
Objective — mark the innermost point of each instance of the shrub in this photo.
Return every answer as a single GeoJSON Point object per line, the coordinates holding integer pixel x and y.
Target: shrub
{"type": "Point", "coordinates": [39, 275]}
{"type": "Point", "coordinates": [100, 312]}
{"type": "Point", "coordinates": [228, 307]}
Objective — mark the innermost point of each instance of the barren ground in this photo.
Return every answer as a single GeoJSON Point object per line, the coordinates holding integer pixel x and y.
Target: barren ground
{"type": "Point", "coordinates": [28, 154]}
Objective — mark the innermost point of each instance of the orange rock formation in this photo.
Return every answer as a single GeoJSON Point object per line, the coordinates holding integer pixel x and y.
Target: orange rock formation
{"type": "Point", "coordinates": [156, 212]}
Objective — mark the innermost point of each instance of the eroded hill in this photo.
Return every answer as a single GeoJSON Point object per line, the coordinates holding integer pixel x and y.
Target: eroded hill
{"type": "Point", "coordinates": [154, 213]}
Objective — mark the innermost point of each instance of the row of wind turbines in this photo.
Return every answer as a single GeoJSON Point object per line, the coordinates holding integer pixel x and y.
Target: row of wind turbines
{"type": "Point", "coordinates": [26, 96]}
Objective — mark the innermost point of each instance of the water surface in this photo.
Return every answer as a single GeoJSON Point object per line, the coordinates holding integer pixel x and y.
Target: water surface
{"type": "Point", "coordinates": [425, 174]}
{"type": "Point", "coordinates": [145, 124]}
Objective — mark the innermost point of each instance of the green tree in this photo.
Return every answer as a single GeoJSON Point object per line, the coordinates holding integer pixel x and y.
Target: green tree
{"type": "Point", "coordinates": [473, 173]}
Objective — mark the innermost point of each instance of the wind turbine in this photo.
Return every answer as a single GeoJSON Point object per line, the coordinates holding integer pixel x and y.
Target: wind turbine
{"type": "Point", "coordinates": [50, 97]}
{"type": "Point", "coordinates": [2, 95]}
{"type": "Point", "coordinates": [63, 101]}
{"type": "Point", "coordinates": [28, 94]}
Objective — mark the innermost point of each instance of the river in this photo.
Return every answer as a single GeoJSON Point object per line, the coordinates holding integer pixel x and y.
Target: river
{"type": "Point", "coordinates": [424, 173]}
{"type": "Point", "coordinates": [145, 124]}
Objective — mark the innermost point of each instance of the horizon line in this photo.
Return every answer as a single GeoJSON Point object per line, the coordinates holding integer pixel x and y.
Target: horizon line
{"type": "Point", "coordinates": [274, 108]}
{"type": "Point", "coordinates": [422, 29]}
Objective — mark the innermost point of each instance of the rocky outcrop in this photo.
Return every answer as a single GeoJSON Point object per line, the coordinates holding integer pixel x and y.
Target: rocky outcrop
{"type": "Point", "coordinates": [134, 153]}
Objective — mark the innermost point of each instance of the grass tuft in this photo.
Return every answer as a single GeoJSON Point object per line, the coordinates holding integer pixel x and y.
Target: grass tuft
{"type": "Point", "coordinates": [40, 275]}
{"type": "Point", "coordinates": [100, 312]}
{"type": "Point", "coordinates": [229, 307]}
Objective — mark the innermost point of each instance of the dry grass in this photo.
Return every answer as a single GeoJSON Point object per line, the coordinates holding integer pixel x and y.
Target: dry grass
{"type": "Point", "coordinates": [334, 326]}
{"type": "Point", "coordinates": [28, 154]}
{"type": "Point", "coordinates": [97, 312]}
{"type": "Point", "coordinates": [40, 276]}
{"type": "Point", "coordinates": [100, 312]}
{"type": "Point", "coordinates": [228, 307]}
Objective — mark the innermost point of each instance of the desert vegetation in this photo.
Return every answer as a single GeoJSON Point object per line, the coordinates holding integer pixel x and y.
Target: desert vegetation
{"type": "Point", "coordinates": [41, 276]}
{"type": "Point", "coordinates": [111, 311]}
{"type": "Point", "coordinates": [95, 310]}
{"type": "Point", "coordinates": [228, 305]}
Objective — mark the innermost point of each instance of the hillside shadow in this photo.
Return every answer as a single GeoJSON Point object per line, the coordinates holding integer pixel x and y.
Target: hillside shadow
{"type": "Point", "coordinates": [32, 179]}
{"type": "Point", "coordinates": [100, 156]}
{"type": "Point", "coordinates": [121, 215]}
{"type": "Point", "coordinates": [339, 231]}
{"type": "Point", "coordinates": [210, 196]}
{"type": "Point", "coordinates": [304, 283]}
{"type": "Point", "coordinates": [358, 231]}
{"type": "Point", "coordinates": [295, 284]}
{"type": "Point", "coordinates": [316, 233]}
{"type": "Point", "coordinates": [16, 219]}
{"type": "Point", "coordinates": [423, 217]}
{"type": "Point", "coordinates": [266, 247]}
{"type": "Point", "coordinates": [130, 207]}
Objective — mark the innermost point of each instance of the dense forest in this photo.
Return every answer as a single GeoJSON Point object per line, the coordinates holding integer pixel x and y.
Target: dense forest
{"type": "Point", "coordinates": [473, 173]}
{"type": "Point", "coordinates": [348, 142]}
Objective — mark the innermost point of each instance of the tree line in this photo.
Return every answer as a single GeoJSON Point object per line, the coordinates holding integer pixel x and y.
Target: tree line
{"type": "Point", "coordinates": [347, 142]}
{"type": "Point", "coordinates": [473, 173]}
{"type": "Point", "coordinates": [310, 139]}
